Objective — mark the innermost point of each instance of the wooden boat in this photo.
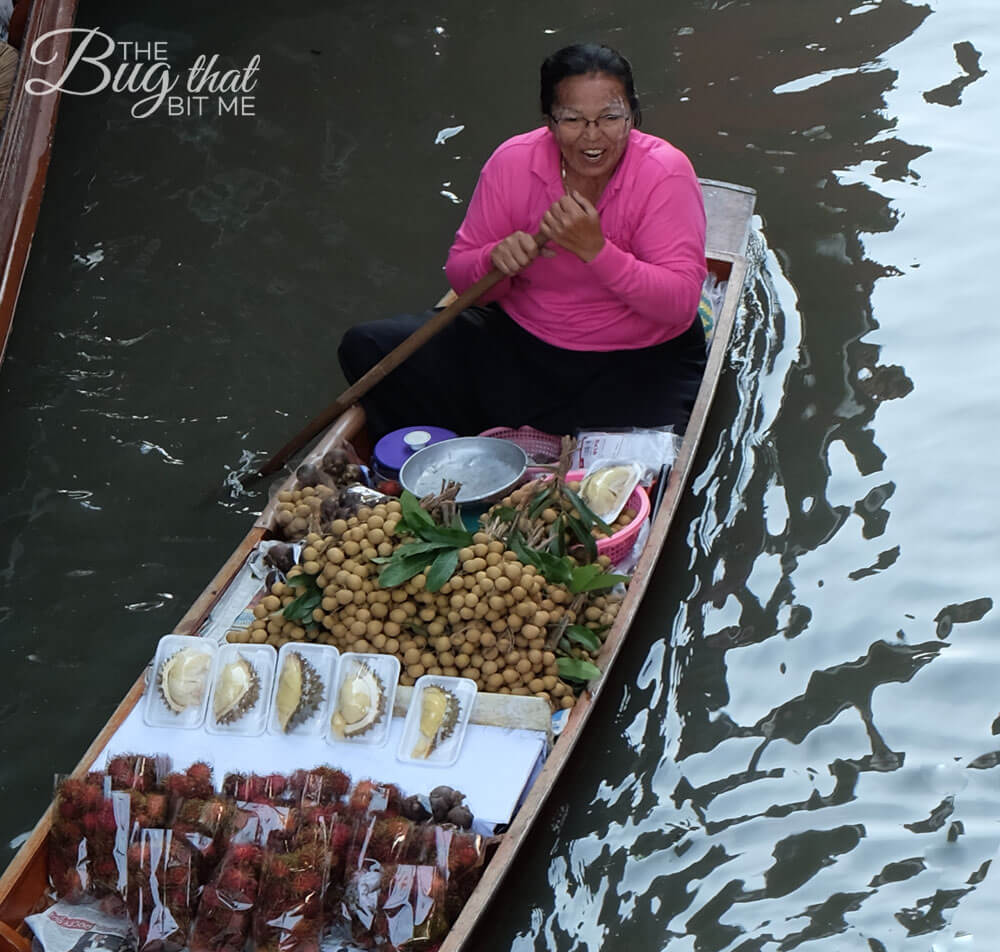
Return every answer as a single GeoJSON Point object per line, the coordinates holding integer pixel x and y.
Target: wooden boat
{"type": "Point", "coordinates": [729, 207]}
{"type": "Point", "coordinates": [25, 149]}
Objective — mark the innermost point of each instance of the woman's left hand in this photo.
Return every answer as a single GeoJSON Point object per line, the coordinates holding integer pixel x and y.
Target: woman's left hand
{"type": "Point", "coordinates": [573, 223]}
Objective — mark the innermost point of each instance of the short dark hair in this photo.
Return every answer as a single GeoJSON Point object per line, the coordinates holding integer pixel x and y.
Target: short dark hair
{"type": "Point", "coordinates": [581, 59]}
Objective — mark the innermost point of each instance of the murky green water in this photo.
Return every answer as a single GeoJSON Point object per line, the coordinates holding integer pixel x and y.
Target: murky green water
{"type": "Point", "coordinates": [798, 748]}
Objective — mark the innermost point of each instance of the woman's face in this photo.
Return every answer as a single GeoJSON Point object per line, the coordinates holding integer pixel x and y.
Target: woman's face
{"type": "Point", "coordinates": [591, 149]}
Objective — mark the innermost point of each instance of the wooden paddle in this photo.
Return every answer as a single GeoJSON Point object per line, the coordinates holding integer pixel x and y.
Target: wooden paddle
{"type": "Point", "coordinates": [386, 365]}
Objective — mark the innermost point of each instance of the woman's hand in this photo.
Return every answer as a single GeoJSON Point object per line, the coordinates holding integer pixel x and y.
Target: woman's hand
{"type": "Point", "coordinates": [573, 223]}
{"type": "Point", "coordinates": [514, 253]}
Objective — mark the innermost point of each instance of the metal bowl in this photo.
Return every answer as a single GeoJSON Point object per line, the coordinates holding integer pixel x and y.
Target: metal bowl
{"type": "Point", "coordinates": [487, 468]}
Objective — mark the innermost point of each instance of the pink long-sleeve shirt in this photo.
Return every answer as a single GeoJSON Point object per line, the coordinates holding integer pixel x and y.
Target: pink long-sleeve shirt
{"type": "Point", "coordinates": [643, 286]}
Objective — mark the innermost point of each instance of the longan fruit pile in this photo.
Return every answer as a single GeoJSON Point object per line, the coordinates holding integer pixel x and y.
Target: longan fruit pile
{"type": "Point", "coordinates": [488, 622]}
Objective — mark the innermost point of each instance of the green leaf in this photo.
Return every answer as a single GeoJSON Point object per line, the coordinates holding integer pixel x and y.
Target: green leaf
{"type": "Point", "coordinates": [583, 534]}
{"type": "Point", "coordinates": [442, 569]}
{"type": "Point", "coordinates": [299, 581]}
{"type": "Point", "coordinates": [515, 542]}
{"type": "Point", "coordinates": [554, 568]}
{"type": "Point", "coordinates": [505, 513]}
{"type": "Point", "coordinates": [573, 669]}
{"type": "Point", "coordinates": [414, 514]}
{"type": "Point", "coordinates": [592, 578]}
{"type": "Point", "coordinates": [538, 503]}
{"type": "Point", "coordinates": [416, 548]}
{"type": "Point", "coordinates": [303, 606]}
{"type": "Point", "coordinates": [443, 535]}
{"type": "Point", "coordinates": [582, 574]}
{"type": "Point", "coordinates": [401, 570]}
{"type": "Point", "coordinates": [583, 636]}
{"type": "Point", "coordinates": [589, 517]}
{"type": "Point", "coordinates": [557, 569]}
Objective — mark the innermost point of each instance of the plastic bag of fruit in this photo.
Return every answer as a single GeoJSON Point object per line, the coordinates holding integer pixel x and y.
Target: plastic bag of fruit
{"type": "Point", "coordinates": [224, 917]}
{"type": "Point", "coordinates": [85, 855]}
{"type": "Point", "coordinates": [288, 916]}
{"type": "Point", "coordinates": [162, 889]}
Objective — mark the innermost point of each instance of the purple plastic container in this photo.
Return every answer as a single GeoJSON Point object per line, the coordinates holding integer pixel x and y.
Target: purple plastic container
{"type": "Point", "coordinates": [392, 450]}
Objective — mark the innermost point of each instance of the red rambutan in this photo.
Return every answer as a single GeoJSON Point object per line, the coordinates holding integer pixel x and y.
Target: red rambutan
{"type": "Point", "coordinates": [275, 785]}
{"type": "Point", "coordinates": [389, 836]}
{"type": "Point", "coordinates": [256, 789]}
{"type": "Point", "coordinates": [106, 868]}
{"type": "Point", "coordinates": [201, 773]}
{"type": "Point", "coordinates": [237, 885]}
{"type": "Point", "coordinates": [245, 854]}
{"type": "Point", "coordinates": [233, 784]}
{"type": "Point", "coordinates": [306, 882]}
{"type": "Point", "coordinates": [277, 868]}
{"type": "Point", "coordinates": [375, 797]}
{"type": "Point", "coordinates": [93, 796]}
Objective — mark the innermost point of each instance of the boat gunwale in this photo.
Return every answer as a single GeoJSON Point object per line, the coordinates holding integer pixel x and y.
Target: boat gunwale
{"type": "Point", "coordinates": [25, 148]}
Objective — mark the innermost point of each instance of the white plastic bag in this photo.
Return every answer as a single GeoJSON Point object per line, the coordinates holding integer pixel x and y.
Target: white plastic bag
{"type": "Point", "coordinates": [651, 448]}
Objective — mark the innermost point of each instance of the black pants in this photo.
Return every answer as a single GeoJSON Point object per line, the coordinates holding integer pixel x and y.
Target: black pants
{"type": "Point", "coordinates": [484, 370]}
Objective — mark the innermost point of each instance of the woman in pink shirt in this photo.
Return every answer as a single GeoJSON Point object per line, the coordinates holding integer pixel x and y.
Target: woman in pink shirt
{"type": "Point", "coordinates": [598, 328]}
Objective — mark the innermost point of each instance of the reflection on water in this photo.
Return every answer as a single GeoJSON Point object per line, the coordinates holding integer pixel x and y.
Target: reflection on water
{"type": "Point", "coordinates": [951, 93]}
{"type": "Point", "coordinates": [820, 783]}
{"type": "Point", "coordinates": [799, 747]}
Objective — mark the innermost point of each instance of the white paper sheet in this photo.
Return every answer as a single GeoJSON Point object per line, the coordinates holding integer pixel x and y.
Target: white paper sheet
{"type": "Point", "coordinates": [492, 769]}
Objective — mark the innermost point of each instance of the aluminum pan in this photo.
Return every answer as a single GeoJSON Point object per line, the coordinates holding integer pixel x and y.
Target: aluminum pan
{"type": "Point", "coordinates": [486, 467]}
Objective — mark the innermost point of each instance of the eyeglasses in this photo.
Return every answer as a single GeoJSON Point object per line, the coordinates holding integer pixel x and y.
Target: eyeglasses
{"type": "Point", "coordinates": [574, 125]}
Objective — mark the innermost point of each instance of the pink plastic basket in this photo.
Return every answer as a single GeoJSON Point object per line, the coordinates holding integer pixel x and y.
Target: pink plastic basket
{"type": "Point", "coordinates": [619, 545]}
{"type": "Point", "coordinates": [534, 442]}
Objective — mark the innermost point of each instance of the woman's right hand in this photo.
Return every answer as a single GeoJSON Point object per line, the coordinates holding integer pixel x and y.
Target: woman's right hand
{"type": "Point", "coordinates": [514, 253]}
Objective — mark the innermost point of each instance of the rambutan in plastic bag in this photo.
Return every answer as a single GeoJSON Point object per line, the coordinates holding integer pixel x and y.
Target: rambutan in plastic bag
{"type": "Point", "coordinates": [194, 783]}
{"type": "Point", "coordinates": [377, 842]}
{"type": "Point", "coordinates": [258, 788]}
{"type": "Point", "coordinates": [162, 889]}
{"type": "Point", "coordinates": [411, 910]}
{"type": "Point", "coordinates": [206, 825]}
{"type": "Point", "coordinates": [288, 916]}
{"type": "Point", "coordinates": [318, 787]}
{"type": "Point", "coordinates": [141, 772]}
{"type": "Point", "coordinates": [141, 777]}
{"type": "Point", "coordinates": [460, 857]}
{"type": "Point", "coordinates": [87, 839]}
{"type": "Point", "coordinates": [369, 796]}
{"type": "Point", "coordinates": [264, 799]}
{"type": "Point", "coordinates": [199, 814]}
{"type": "Point", "coordinates": [224, 917]}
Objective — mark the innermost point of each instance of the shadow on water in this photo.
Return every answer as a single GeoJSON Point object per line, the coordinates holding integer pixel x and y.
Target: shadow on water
{"type": "Point", "coordinates": [767, 768]}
